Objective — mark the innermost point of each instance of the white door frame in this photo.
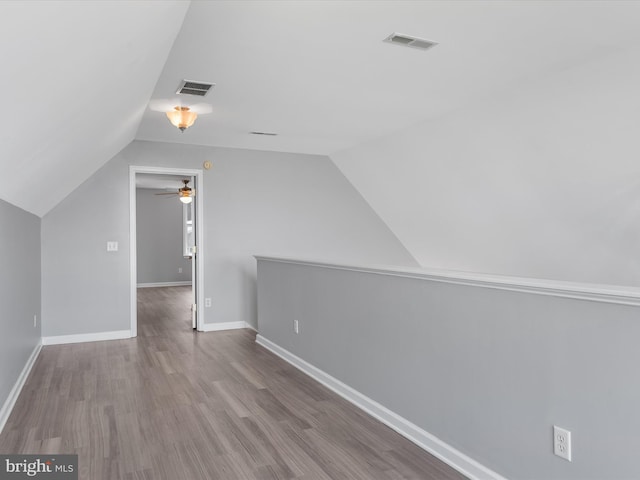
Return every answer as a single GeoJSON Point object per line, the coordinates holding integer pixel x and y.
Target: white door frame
{"type": "Point", "coordinates": [133, 169]}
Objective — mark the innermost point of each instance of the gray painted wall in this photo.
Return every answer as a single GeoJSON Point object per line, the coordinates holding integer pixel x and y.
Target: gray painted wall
{"type": "Point", "coordinates": [159, 237]}
{"type": "Point", "coordinates": [487, 371]}
{"type": "Point", "coordinates": [19, 292]}
{"type": "Point", "coordinates": [85, 289]}
{"type": "Point", "coordinates": [255, 202]}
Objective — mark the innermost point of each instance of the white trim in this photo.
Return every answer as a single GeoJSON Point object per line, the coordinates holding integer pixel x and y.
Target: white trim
{"type": "Point", "coordinates": [445, 452]}
{"type": "Point", "coordinates": [86, 337]}
{"type": "Point", "coordinates": [133, 280]}
{"type": "Point", "coordinates": [215, 327]}
{"type": "Point", "coordinates": [10, 402]}
{"type": "Point", "coordinates": [165, 284]}
{"type": "Point", "coordinates": [582, 291]}
{"type": "Point", "coordinates": [133, 260]}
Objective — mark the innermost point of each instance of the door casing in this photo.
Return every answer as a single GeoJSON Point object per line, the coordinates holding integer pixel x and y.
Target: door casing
{"type": "Point", "coordinates": [199, 198]}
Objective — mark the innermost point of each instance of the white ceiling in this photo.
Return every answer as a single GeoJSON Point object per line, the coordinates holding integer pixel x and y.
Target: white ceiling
{"type": "Point", "coordinates": [76, 79]}
{"type": "Point", "coordinates": [78, 76]}
{"type": "Point", "coordinates": [319, 74]}
{"type": "Point", "coordinates": [159, 181]}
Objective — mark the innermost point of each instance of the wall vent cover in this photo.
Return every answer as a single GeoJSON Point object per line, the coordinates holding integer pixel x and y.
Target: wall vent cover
{"type": "Point", "coordinates": [189, 87]}
{"type": "Point", "coordinates": [410, 41]}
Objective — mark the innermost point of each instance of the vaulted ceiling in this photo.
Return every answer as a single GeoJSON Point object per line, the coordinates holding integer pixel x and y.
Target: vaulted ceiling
{"type": "Point", "coordinates": [78, 76]}
{"type": "Point", "coordinates": [76, 80]}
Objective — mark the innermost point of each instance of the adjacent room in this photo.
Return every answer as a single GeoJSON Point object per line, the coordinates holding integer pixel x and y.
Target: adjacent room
{"type": "Point", "coordinates": [269, 239]}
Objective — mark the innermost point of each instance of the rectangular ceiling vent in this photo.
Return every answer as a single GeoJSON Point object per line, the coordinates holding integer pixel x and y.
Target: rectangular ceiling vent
{"type": "Point", "coordinates": [269, 134]}
{"type": "Point", "coordinates": [199, 89]}
{"type": "Point", "coordinates": [409, 41]}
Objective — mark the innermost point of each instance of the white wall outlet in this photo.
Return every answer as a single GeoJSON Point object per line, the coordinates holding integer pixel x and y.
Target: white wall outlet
{"type": "Point", "coordinates": [296, 327]}
{"type": "Point", "coordinates": [35, 321]}
{"type": "Point", "coordinates": [112, 246]}
{"type": "Point", "coordinates": [179, 269]}
{"type": "Point", "coordinates": [207, 302]}
{"type": "Point", "coordinates": [562, 443]}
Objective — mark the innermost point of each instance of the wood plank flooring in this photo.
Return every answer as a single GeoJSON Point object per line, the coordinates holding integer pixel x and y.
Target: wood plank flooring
{"type": "Point", "coordinates": [177, 405]}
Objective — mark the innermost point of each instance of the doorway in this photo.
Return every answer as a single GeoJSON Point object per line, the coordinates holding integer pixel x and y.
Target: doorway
{"type": "Point", "coordinates": [191, 235]}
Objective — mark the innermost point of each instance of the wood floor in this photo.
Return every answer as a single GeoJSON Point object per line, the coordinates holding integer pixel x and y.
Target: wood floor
{"type": "Point", "coordinates": [177, 405]}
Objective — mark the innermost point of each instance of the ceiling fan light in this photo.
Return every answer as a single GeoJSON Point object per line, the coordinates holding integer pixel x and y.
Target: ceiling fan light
{"type": "Point", "coordinates": [181, 117]}
{"type": "Point", "coordinates": [185, 194]}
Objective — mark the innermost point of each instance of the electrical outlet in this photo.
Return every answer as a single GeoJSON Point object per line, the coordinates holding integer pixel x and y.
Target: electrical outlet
{"type": "Point", "coordinates": [207, 302]}
{"type": "Point", "coordinates": [562, 443]}
{"type": "Point", "coordinates": [296, 327]}
{"type": "Point", "coordinates": [35, 321]}
{"type": "Point", "coordinates": [179, 269]}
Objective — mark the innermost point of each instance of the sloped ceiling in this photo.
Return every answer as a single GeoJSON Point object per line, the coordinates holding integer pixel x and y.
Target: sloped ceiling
{"type": "Point", "coordinates": [319, 74]}
{"type": "Point", "coordinates": [78, 76]}
{"type": "Point", "coordinates": [76, 79]}
{"type": "Point", "coordinates": [541, 180]}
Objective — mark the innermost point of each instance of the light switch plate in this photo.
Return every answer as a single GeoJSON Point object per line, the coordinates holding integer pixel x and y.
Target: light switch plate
{"type": "Point", "coordinates": [112, 246]}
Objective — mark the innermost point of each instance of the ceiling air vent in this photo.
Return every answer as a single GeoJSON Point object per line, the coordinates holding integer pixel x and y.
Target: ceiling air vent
{"type": "Point", "coordinates": [199, 89]}
{"type": "Point", "coordinates": [409, 41]}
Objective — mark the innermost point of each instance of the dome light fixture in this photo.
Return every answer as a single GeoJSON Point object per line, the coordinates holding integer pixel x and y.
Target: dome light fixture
{"type": "Point", "coordinates": [185, 196]}
{"type": "Point", "coordinates": [182, 118]}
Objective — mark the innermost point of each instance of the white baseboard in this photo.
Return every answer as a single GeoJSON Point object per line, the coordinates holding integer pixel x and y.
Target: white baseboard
{"type": "Point", "coordinates": [452, 457]}
{"type": "Point", "coordinates": [215, 327]}
{"type": "Point", "coordinates": [86, 337]}
{"type": "Point", "coordinates": [17, 387]}
{"type": "Point", "coordinates": [164, 284]}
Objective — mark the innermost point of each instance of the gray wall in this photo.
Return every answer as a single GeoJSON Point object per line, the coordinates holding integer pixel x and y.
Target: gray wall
{"type": "Point", "coordinates": [487, 371]}
{"type": "Point", "coordinates": [159, 237]}
{"type": "Point", "coordinates": [85, 289]}
{"type": "Point", "coordinates": [19, 292]}
{"type": "Point", "coordinates": [255, 202]}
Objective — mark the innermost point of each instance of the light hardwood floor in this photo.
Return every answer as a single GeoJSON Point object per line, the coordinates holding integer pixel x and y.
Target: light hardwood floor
{"type": "Point", "coordinates": [177, 405]}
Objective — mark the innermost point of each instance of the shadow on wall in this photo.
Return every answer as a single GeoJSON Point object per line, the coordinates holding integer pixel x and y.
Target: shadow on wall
{"type": "Point", "coordinates": [250, 287]}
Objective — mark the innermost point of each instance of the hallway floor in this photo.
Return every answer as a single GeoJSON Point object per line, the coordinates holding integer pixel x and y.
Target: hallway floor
{"type": "Point", "coordinates": [178, 405]}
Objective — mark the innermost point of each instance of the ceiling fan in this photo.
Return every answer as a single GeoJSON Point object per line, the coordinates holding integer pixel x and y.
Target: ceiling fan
{"type": "Point", "coordinates": [185, 194]}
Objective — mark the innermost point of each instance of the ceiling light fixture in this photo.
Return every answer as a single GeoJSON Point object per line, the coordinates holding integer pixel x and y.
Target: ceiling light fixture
{"type": "Point", "coordinates": [185, 197]}
{"type": "Point", "coordinates": [182, 117]}
{"type": "Point", "coordinates": [185, 194]}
